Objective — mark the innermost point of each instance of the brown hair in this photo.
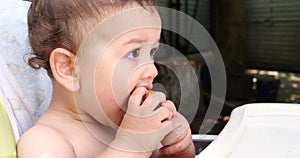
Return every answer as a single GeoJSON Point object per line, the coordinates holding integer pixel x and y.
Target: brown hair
{"type": "Point", "coordinates": [64, 23]}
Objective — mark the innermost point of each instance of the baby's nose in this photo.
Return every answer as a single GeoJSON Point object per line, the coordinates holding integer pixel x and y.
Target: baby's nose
{"type": "Point", "coordinates": [149, 71]}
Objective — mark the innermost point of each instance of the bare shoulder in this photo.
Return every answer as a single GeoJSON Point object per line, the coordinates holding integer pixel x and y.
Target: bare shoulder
{"type": "Point", "coordinates": [44, 141]}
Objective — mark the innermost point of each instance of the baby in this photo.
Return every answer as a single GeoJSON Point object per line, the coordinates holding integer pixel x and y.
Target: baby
{"type": "Point", "coordinates": [99, 55]}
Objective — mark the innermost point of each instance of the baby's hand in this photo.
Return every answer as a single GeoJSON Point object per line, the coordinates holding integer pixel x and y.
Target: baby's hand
{"type": "Point", "coordinates": [145, 126]}
{"type": "Point", "coordinates": [147, 115]}
{"type": "Point", "coordinates": [179, 142]}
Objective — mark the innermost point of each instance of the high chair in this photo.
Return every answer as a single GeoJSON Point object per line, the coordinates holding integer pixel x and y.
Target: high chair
{"type": "Point", "coordinates": [259, 130]}
{"type": "Point", "coordinates": [24, 92]}
{"type": "Point", "coordinates": [7, 138]}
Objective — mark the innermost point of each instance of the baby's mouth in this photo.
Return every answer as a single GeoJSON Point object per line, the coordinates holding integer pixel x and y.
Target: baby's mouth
{"type": "Point", "coordinates": [147, 87]}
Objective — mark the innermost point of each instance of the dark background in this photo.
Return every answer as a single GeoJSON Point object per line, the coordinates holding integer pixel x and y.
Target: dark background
{"type": "Point", "coordinates": [259, 42]}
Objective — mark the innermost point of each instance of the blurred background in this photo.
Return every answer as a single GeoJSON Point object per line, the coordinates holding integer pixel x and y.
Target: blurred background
{"type": "Point", "coordinates": [259, 41]}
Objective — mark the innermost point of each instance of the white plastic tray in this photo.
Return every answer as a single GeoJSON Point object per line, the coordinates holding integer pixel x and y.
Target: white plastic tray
{"type": "Point", "coordinates": [264, 130]}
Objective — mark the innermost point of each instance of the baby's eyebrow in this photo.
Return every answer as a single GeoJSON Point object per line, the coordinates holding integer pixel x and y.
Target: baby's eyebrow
{"type": "Point", "coordinates": [135, 40]}
{"type": "Point", "coordinates": [139, 40]}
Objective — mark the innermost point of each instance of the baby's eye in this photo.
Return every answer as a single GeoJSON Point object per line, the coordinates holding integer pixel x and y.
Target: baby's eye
{"type": "Point", "coordinates": [153, 51]}
{"type": "Point", "coordinates": [133, 54]}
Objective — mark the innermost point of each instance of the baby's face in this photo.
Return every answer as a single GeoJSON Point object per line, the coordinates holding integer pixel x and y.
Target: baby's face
{"type": "Point", "coordinates": [126, 64]}
{"type": "Point", "coordinates": [114, 60]}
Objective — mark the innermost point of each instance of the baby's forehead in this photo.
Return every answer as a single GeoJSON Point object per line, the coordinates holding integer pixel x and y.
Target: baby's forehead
{"type": "Point", "coordinates": [130, 19]}
{"type": "Point", "coordinates": [123, 22]}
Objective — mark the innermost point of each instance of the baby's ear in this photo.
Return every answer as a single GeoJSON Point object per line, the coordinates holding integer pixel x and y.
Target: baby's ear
{"type": "Point", "coordinates": [63, 69]}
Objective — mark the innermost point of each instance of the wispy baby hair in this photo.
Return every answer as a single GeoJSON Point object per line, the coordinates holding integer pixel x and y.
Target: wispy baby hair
{"type": "Point", "coordinates": [64, 24]}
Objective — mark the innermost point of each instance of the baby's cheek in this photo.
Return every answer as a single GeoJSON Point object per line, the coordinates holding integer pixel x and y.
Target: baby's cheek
{"type": "Point", "coordinates": [116, 116]}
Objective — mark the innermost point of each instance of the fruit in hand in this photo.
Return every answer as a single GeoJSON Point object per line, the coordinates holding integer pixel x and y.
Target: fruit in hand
{"type": "Point", "coordinates": [147, 95]}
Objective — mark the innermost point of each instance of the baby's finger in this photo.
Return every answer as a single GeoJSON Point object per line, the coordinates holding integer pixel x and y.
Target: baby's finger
{"type": "Point", "coordinates": [135, 98]}
{"type": "Point", "coordinates": [154, 101]}
{"type": "Point", "coordinates": [181, 145]}
{"type": "Point", "coordinates": [163, 113]}
{"type": "Point", "coordinates": [169, 104]}
{"type": "Point", "coordinates": [181, 127]}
